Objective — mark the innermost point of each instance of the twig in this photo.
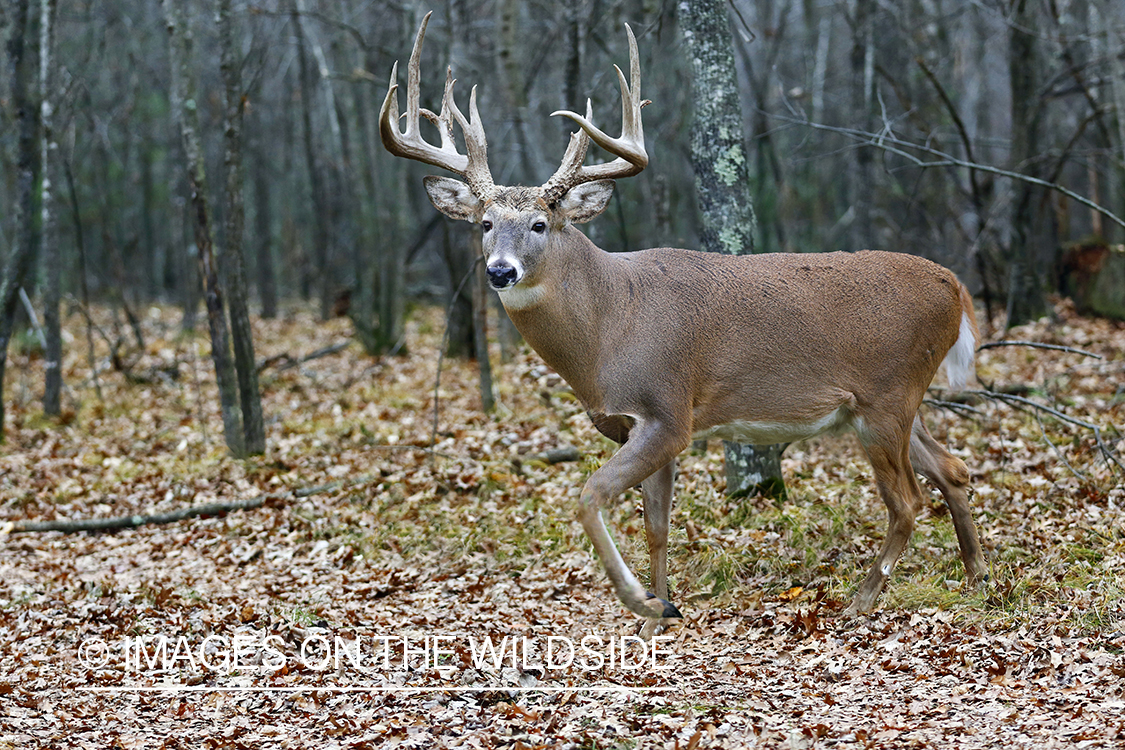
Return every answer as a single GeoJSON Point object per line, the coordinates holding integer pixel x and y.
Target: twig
{"type": "Point", "coordinates": [893, 145]}
{"type": "Point", "coordinates": [33, 317]}
{"type": "Point", "coordinates": [1037, 345]}
{"type": "Point", "coordinates": [952, 406]}
{"type": "Point", "coordinates": [1010, 399]}
{"type": "Point", "coordinates": [309, 491]}
{"type": "Point", "coordinates": [444, 343]}
{"type": "Point", "coordinates": [125, 522]}
{"type": "Point", "coordinates": [1055, 448]}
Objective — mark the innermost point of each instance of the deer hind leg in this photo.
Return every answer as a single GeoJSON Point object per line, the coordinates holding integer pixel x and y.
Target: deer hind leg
{"type": "Point", "coordinates": [651, 448]}
{"type": "Point", "coordinates": [950, 475]}
{"type": "Point", "coordinates": [900, 492]}
{"type": "Point", "coordinates": [657, 491]}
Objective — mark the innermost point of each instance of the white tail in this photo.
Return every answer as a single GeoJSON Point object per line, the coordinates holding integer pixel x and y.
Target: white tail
{"type": "Point", "coordinates": [959, 360]}
{"type": "Point", "coordinates": [665, 345]}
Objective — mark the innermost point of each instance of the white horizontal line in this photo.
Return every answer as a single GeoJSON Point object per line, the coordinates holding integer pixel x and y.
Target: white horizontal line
{"type": "Point", "coordinates": [369, 689]}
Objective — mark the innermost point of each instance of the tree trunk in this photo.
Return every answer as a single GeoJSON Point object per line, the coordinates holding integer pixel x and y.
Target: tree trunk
{"type": "Point", "coordinates": [52, 260]}
{"type": "Point", "coordinates": [320, 253]}
{"type": "Point", "coordinates": [22, 255]}
{"type": "Point", "coordinates": [83, 283]}
{"type": "Point", "coordinates": [480, 322]}
{"type": "Point", "coordinates": [263, 231]}
{"type": "Point", "coordinates": [1115, 53]}
{"type": "Point", "coordinates": [253, 431]}
{"type": "Point", "coordinates": [1027, 299]}
{"type": "Point", "coordinates": [363, 311]}
{"type": "Point", "coordinates": [722, 185]}
{"type": "Point", "coordinates": [458, 260]}
{"type": "Point", "coordinates": [184, 104]}
{"type": "Point", "coordinates": [863, 107]}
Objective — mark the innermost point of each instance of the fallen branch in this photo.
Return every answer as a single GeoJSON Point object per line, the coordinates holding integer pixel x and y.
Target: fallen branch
{"type": "Point", "coordinates": [285, 361]}
{"type": "Point", "coordinates": [309, 491]}
{"type": "Point", "coordinates": [126, 522]}
{"type": "Point", "coordinates": [552, 456]}
{"type": "Point", "coordinates": [1055, 448]}
{"type": "Point", "coordinates": [1037, 345]}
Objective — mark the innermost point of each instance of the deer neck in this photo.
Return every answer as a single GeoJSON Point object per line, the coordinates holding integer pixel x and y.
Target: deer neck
{"type": "Point", "coordinates": [563, 316]}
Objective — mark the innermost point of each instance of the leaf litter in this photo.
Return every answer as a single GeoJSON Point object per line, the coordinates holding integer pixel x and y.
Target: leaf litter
{"type": "Point", "coordinates": [287, 624]}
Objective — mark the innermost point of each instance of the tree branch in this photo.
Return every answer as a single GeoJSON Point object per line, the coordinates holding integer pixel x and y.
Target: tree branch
{"type": "Point", "coordinates": [126, 522]}
{"type": "Point", "coordinates": [1017, 401]}
{"type": "Point", "coordinates": [1037, 345]}
{"type": "Point", "coordinates": [893, 145]}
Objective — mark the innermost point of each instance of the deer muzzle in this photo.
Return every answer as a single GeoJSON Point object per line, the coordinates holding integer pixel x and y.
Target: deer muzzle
{"type": "Point", "coordinates": [502, 275]}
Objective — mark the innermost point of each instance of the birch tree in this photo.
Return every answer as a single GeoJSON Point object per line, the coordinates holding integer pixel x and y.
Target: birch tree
{"type": "Point", "coordinates": [52, 261]}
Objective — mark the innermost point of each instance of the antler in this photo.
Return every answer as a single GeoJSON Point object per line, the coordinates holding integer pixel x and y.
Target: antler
{"type": "Point", "coordinates": [473, 165]}
{"type": "Point", "coordinates": [629, 148]}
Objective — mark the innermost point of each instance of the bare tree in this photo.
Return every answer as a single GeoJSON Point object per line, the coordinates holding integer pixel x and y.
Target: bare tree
{"type": "Point", "coordinates": [22, 254]}
{"type": "Point", "coordinates": [321, 228]}
{"type": "Point", "coordinates": [241, 334]}
{"type": "Point", "coordinates": [185, 106]}
{"type": "Point", "coordinates": [1027, 298]}
{"type": "Point", "coordinates": [52, 258]}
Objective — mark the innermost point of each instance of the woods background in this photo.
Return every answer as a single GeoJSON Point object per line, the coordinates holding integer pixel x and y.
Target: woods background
{"type": "Point", "coordinates": [387, 501]}
{"type": "Point", "coordinates": [839, 101]}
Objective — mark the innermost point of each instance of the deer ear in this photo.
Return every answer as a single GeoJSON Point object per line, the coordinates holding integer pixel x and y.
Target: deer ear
{"type": "Point", "coordinates": [583, 202]}
{"type": "Point", "coordinates": [453, 198]}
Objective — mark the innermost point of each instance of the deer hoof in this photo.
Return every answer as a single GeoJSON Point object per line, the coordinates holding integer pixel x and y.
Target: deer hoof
{"type": "Point", "coordinates": [661, 609]}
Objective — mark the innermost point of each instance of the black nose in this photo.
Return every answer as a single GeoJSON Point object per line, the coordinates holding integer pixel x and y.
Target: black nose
{"type": "Point", "coordinates": [501, 275]}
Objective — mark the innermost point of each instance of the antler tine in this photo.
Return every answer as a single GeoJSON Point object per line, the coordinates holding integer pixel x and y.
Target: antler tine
{"type": "Point", "coordinates": [576, 148]}
{"type": "Point", "coordinates": [629, 148]}
{"type": "Point", "coordinates": [410, 144]}
{"type": "Point", "coordinates": [477, 173]}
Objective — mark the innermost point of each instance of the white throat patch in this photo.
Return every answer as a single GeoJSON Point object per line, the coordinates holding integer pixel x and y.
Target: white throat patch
{"type": "Point", "coordinates": [521, 296]}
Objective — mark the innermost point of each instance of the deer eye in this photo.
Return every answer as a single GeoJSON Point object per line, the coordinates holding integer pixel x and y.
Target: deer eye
{"type": "Point", "coordinates": [486, 225]}
{"type": "Point", "coordinates": [539, 227]}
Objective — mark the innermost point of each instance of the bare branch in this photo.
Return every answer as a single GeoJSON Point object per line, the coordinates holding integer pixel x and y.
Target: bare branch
{"type": "Point", "coordinates": [893, 145]}
{"type": "Point", "coordinates": [127, 522]}
{"type": "Point", "coordinates": [1108, 454]}
{"type": "Point", "coordinates": [1037, 345]}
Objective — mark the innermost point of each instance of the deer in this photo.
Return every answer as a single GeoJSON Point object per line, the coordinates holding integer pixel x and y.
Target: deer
{"type": "Point", "coordinates": [665, 346]}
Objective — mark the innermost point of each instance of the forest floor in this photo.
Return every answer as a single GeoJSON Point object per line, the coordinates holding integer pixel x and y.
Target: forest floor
{"type": "Point", "coordinates": [284, 625]}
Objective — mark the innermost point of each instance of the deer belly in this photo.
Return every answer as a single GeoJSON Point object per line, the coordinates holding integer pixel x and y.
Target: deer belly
{"type": "Point", "coordinates": [768, 433]}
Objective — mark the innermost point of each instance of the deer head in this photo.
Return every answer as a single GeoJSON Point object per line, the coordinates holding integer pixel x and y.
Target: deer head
{"type": "Point", "coordinates": [518, 223]}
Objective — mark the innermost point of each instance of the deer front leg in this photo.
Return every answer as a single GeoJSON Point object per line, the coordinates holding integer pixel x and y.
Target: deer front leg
{"type": "Point", "coordinates": [650, 447]}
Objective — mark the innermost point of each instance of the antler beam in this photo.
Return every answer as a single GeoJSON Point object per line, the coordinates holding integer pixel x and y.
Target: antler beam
{"type": "Point", "coordinates": [473, 165]}
{"type": "Point", "coordinates": [629, 148]}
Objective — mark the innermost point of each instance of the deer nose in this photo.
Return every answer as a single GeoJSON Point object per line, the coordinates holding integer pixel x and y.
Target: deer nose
{"type": "Point", "coordinates": [502, 275]}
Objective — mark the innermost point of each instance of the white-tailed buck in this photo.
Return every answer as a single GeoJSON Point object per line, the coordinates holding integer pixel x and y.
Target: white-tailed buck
{"type": "Point", "coordinates": [664, 346]}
